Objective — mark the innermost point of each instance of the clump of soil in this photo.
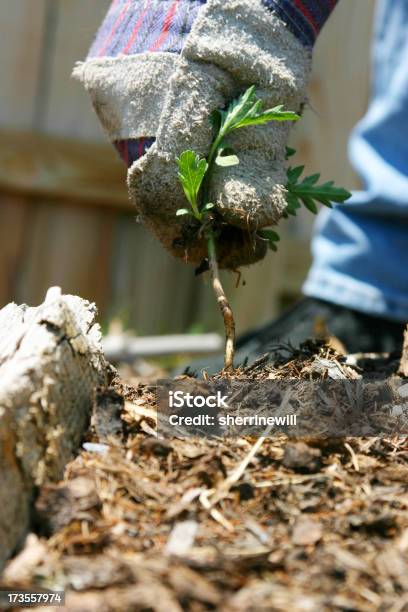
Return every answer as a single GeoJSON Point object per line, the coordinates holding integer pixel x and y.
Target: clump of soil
{"type": "Point", "coordinates": [140, 523]}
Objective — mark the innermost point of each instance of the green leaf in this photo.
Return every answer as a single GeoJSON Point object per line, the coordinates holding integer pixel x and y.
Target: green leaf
{"type": "Point", "coordinates": [208, 206]}
{"type": "Point", "coordinates": [238, 109]}
{"type": "Point", "coordinates": [290, 152]}
{"type": "Point", "coordinates": [294, 174]}
{"type": "Point", "coordinates": [269, 235]}
{"type": "Point", "coordinates": [247, 111]}
{"type": "Point", "coordinates": [192, 170]}
{"type": "Point", "coordinates": [310, 204]}
{"type": "Point", "coordinates": [183, 211]}
{"type": "Point", "coordinates": [255, 117]}
{"type": "Point", "coordinates": [310, 193]}
{"type": "Point", "coordinates": [311, 180]}
{"type": "Point", "coordinates": [293, 203]}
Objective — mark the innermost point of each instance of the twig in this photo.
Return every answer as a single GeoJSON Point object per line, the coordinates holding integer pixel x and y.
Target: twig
{"type": "Point", "coordinates": [266, 484]}
{"type": "Point", "coordinates": [141, 411]}
{"type": "Point", "coordinates": [353, 455]}
{"type": "Point", "coordinates": [211, 497]}
{"type": "Point", "coordinates": [235, 476]}
{"type": "Point", "coordinates": [224, 488]}
{"type": "Point", "coordinates": [214, 513]}
{"type": "Point", "coordinates": [223, 303]}
{"type": "Point", "coordinates": [257, 363]}
{"type": "Point", "coordinates": [403, 368]}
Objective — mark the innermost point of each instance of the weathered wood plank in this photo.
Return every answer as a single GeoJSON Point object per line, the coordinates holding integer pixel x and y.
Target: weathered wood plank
{"type": "Point", "coordinates": [69, 110]}
{"type": "Point", "coordinates": [68, 246]}
{"type": "Point", "coordinates": [34, 164]}
{"type": "Point", "coordinates": [50, 364]}
{"type": "Point", "coordinates": [151, 291]}
{"type": "Point", "coordinates": [13, 222]}
{"type": "Point", "coordinates": [21, 37]}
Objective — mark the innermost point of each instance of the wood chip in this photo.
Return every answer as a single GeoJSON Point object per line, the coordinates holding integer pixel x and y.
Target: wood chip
{"type": "Point", "coordinates": [306, 531]}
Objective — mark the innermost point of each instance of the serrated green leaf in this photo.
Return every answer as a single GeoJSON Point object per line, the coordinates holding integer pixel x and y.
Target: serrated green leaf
{"type": "Point", "coordinates": [309, 203]}
{"type": "Point", "coordinates": [294, 174]}
{"type": "Point", "coordinates": [238, 109]}
{"type": "Point", "coordinates": [293, 204]}
{"type": "Point", "coordinates": [266, 117]}
{"type": "Point", "coordinates": [322, 193]}
{"type": "Point", "coordinates": [247, 111]}
{"type": "Point", "coordinates": [311, 180]}
{"type": "Point", "coordinates": [192, 171]}
{"type": "Point", "coordinates": [293, 200]}
{"type": "Point", "coordinates": [309, 192]}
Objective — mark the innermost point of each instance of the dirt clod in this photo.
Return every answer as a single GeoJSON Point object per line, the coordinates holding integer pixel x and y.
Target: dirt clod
{"type": "Point", "coordinates": [302, 458]}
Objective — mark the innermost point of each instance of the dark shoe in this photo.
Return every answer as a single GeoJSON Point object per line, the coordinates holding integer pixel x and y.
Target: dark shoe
{"type": "Point", "coordinates": [311, 318]}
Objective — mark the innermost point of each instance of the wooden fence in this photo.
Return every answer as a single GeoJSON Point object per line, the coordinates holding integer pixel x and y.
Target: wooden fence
{"type": "Point", "coordinates": [64, 213]}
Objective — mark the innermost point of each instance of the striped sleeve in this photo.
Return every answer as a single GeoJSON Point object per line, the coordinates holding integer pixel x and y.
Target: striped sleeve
{"type": "Point", "coordinates": [305, 18]}
{"type": "Point", "coordinates": [137, 26]}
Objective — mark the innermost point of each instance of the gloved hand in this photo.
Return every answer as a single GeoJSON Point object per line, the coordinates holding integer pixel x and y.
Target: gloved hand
{"type": "Point", "coordinates": [167, 98]}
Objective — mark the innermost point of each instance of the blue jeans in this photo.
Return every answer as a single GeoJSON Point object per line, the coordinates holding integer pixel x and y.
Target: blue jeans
{"type": "Point", "coordinates": [360, 248]}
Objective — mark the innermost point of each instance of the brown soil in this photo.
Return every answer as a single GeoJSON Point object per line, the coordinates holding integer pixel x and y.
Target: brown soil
{"type": "Point", "coordinates": [156, 524]}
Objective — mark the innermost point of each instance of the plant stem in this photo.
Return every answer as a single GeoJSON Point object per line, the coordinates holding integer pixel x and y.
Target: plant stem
{"type": "Point", "coordinates": [226, 310]}
{"type": "Point", "coordinates": [214, 148]}
{"type": "Point", "coordinates": [223, 303]}
{"type": "Point", "coordinates": [196, 210]}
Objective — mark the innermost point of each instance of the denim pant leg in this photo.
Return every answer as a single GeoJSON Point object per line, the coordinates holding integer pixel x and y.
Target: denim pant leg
{"type": "Point", "coordinates": [360, 248]}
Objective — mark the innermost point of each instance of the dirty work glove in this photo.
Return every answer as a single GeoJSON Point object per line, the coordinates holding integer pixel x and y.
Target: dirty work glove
{"type": "Point", "coordinates": [157, 102]}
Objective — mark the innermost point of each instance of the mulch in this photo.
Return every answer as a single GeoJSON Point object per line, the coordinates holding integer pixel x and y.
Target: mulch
{"type": "Point", "coordinates": [141, 523]}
